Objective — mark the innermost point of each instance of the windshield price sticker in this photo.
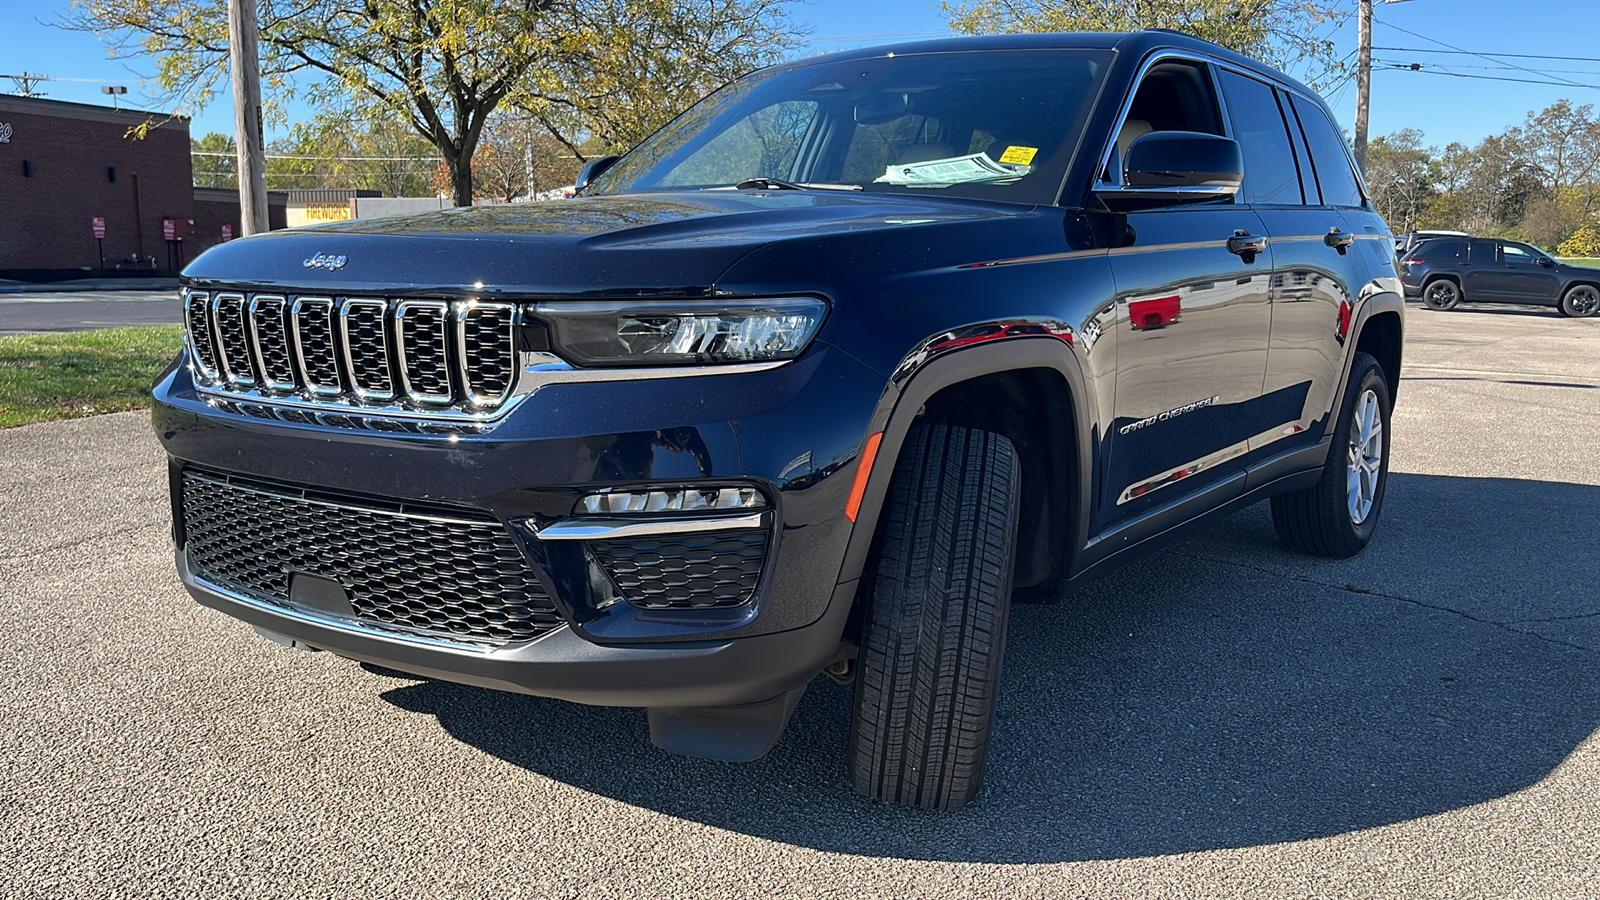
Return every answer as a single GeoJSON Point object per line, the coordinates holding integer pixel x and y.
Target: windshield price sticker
{"type": "Point", "coordinates": [1021, 156]}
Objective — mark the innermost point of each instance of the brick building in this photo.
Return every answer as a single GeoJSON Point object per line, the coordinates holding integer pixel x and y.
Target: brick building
{"type": "Point", "coordinates": [62, 165]}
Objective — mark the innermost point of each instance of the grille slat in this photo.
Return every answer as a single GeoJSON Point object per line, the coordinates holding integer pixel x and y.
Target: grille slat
{"type": "Point", "coordinates": [452, 574]}
{"type": "Point", "coordinates": [482, 331]}
{"type": "Point", "coordinates": [698, 571]}
{"type": "Point", "coordinates": [197, 320]}
{"type": "Point", "coordinates": [271, 339]}
{"type": "Point", "coordinates": [421, 331]}
{"type": "Point", "coordinates": [233, 344]}
{"type": "Point", "coordinates": [366, 348]}
{"type": "Point", "coordinates": [313, 338]}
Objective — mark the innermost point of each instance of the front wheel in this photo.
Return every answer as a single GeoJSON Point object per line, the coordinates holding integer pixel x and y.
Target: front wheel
{"type": "Point", "coordinates": [1441, 295]}
{"type": "Point", "coordinates": [1580, 301]}
{"type": "Point", "coordinates": [933, 634]}
{"type": "Point", "coordinates": [1337, 516]}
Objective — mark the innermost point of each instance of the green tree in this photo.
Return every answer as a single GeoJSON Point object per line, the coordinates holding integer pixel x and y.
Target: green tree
{"type": "Point", "coordinates": [1284, 32]}
{"type": "Point", "coordinates": [627, 67]}
{"type": "Point", "coordinates": [216, 161]}
{"type": "Point", "coordinates": [1584, 242]}
{"type": "Point", "coordinates": [1402, 176]}
{"type": "Point", "coordinates": [443, 66]}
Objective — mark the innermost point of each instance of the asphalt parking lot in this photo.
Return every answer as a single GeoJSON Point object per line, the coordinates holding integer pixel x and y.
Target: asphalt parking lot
{"type": "Point", "coordinates": [22, 312]}
{"type": "Point", "coordinates": [1224, 719]}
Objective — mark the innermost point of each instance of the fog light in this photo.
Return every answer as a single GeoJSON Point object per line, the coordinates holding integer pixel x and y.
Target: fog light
{"type": "Point", "coordinates": [670, 501]}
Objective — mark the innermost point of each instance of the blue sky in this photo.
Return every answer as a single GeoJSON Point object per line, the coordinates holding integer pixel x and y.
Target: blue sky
{"type": "Point", "coordinates": [1445, 108]}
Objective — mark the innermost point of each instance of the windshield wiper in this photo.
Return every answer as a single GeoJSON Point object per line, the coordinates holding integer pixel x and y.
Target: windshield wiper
{"type": "Point", "coordinates": [774, 184]}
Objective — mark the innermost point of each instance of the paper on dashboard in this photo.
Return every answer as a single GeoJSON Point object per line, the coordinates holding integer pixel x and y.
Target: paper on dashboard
{"type": "Point", "coordinates": [953, 170]}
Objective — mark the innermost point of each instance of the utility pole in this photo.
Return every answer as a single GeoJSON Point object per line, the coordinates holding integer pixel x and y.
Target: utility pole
{"type": "Point", "coordinates": [1363, 81]}
{"type": "Point", "coordinates": [246, 70]}
{"type": "Point", "coordinates": [27, 82]}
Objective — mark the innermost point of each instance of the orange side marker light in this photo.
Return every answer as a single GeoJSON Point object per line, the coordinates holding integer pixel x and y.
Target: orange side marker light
{"type": "Point", "coordinates": [869, 452]}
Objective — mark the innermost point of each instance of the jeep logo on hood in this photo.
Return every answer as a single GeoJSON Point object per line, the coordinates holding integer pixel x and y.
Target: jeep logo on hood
{"type": "Point", "coordinates": [324, 261]}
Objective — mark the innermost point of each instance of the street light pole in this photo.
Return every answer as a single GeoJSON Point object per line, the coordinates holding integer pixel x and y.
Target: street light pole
{"type": "Point", "coordinates": [1363, 81]}
{"type": "Point", "coordinates": [246, 73]}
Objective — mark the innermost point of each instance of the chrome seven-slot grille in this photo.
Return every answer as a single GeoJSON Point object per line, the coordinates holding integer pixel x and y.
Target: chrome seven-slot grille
{"type": "Point", "coordinates": [452, 574]}
{"type": "Point", "coordinates": [424, 355]}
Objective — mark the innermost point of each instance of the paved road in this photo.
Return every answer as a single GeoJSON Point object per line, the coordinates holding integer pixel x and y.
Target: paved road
{"type": "Point", "coordinates": [1225, 720]}
{"type": "Point", "coordinates": [83, 310]}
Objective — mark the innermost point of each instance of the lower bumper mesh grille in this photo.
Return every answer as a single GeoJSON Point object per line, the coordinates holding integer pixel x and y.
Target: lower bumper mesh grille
{"type": "Point", "coordinates": [697, 571]}
{"type": "Point", "coordinates": [451, 574]}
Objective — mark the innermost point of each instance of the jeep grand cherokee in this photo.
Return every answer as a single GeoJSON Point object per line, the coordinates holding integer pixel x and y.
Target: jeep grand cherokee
{"type": "Point", "coordinates": [820, 377]}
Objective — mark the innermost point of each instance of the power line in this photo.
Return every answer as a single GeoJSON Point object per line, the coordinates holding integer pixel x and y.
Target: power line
{"type": "Point", "coordinates": [1417, 67]}
{"type": "Point", "coordinates": [1471, 53]}
{"type": "Point", "coordinates": [1488, 55]}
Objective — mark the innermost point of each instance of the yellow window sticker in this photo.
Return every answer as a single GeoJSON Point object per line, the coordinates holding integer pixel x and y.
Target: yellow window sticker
{"type": "Point", "coordinates": [1020, 155]}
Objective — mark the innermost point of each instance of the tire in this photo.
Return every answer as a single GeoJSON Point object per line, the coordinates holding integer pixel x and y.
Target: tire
{"type": "Point", "coordinates": [1441, 294]}
{"type": "Point", "coordinates": [1580, 301]}
{"type": "Point", "coordinates": [1336, 517]}
{"type": "Point", "coordinates": [934, 633]}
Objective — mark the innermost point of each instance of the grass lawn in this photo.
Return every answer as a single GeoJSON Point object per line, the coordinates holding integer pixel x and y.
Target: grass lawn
{"type": "Point", "coordinates": [81, 373]}
{"type": "Point", "coordinates": [1581, 262]}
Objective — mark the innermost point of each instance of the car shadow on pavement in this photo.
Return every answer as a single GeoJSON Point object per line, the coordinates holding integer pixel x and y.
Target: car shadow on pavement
{"type": "Point", "coordinates": [1223, 693]}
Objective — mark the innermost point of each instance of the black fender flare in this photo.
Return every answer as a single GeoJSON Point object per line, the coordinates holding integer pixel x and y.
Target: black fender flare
{"type": "Point", "coordinates": [1375, 304]}
{"type": "Point", "coordinates": [899, 408]}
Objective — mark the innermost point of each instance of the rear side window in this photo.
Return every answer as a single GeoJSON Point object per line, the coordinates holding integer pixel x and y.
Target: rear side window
{"type": "Point", "coordinates": [1334, 175]}
{"type": "Point", "coordinates": [1441, 249]}
{"type": "Point", "coordinates": [1270, 175]}
{"type": "Point", "coordinates": [1480, 251]}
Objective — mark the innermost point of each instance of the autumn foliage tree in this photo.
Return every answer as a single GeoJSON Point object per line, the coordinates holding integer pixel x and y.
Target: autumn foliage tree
{"type": "Point", "coordinates": [1284, 32]}
{"type": "Point", "coordinates": [444, 67]}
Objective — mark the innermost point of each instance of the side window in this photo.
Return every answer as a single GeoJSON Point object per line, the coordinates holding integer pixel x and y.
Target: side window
{"type": "Point", "coordinates": [1334, 175]}
{"type": "Point", "coordinates": [1270, 175]}
{"type": "Point", "coordinates": [1480, 252]}
{"type": "Point", "coordinates": [1302, 153]}
{"type": "Point", "coordinates": [1443, 249]}
{"type": "Point", "coordinates": [1173, 96]}
{"type": "Point", "coordinates": [1515, 254]}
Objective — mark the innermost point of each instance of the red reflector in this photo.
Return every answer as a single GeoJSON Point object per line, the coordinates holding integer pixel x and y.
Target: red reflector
{"type": "Point", "coordinates": [1412, 262]}
{"type": "Point", "coordinates": [869, 452]}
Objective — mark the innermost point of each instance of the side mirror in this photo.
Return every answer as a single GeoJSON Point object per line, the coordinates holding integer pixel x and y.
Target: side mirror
{"type": "Point", "coordinates": [1170, 167]}
{"type": "Point", "coordinates": [591, 170]}
{"type": "Point", "coordinates": [1547, 262]}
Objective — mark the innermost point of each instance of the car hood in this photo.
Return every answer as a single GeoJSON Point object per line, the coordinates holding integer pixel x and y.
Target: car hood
{"type": "Point", "coordinates": [665, 244]}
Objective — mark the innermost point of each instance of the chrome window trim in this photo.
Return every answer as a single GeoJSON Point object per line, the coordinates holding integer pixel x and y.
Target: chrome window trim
{"type": "Point", "coordinates": [225, 368]}
{"type": "Point", "coordinates": [255, 305]}
{"type": "Point", "coordinates": [316, 388]}
{"type": "Point", "coordinates": [443, 309]}
{"type": "Point", "coordinates": [1150, 62]}
{"type": "Point", "coordinates": [464, 309]}
{"type": "Point", "coordinates": [606, 528]}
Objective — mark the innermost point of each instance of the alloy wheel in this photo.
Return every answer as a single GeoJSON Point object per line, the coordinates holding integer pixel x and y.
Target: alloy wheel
{"type": "Point", "coordinates": [1441, 295]}
{"type": "Point", "coordinates": [1583, 301]}
{"type": "Point", "coordinates": [1365, 456]}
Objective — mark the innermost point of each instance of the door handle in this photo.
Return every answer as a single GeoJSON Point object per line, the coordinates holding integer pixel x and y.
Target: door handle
{"type": "Point", "coordinates": [1246, 245]}
{"type": "Point", "coordinates": [1338, 240]}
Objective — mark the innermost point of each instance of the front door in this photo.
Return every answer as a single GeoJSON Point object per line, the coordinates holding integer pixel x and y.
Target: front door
{"type": "Point", "coordinates": [1525, 278]}
{"type": "Point", "coordinates": [1192, 321]}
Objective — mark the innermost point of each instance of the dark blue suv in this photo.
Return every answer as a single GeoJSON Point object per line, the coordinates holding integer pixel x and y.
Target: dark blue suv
{"type": "Point", "coordinates": [1448, 271]}
{"type": "Point", "coordinates": [817, 379]}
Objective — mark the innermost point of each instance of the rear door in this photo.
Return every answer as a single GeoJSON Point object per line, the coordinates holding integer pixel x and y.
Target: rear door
{"type": "Point", "coordinates": [1482, 277]}
{"type": "Point", "coordinates": [1314, 261]}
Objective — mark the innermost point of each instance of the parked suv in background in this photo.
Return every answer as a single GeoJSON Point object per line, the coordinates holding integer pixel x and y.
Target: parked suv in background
{"type": "Point", "coordinates": [819, 377]}
{"type": "Point", "coordinates": [1446, 272]}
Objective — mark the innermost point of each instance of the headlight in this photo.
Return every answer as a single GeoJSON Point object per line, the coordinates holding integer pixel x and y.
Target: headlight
{"type": "Point", "coordinates": [668, 332]}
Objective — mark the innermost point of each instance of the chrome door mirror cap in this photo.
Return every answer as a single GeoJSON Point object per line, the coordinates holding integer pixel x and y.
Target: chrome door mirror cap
{"type": "Point", "coordinates": [1174, 167]}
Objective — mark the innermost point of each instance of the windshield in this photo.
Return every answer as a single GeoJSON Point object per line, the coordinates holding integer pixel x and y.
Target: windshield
{"type": "Point", "coordinates": [996, 126]}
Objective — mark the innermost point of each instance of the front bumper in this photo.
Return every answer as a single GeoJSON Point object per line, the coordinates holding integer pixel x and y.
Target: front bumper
{"type": "Point", "coordinates": [563, 665]}
{"type": "Point", "coordinates": [792, 431]}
